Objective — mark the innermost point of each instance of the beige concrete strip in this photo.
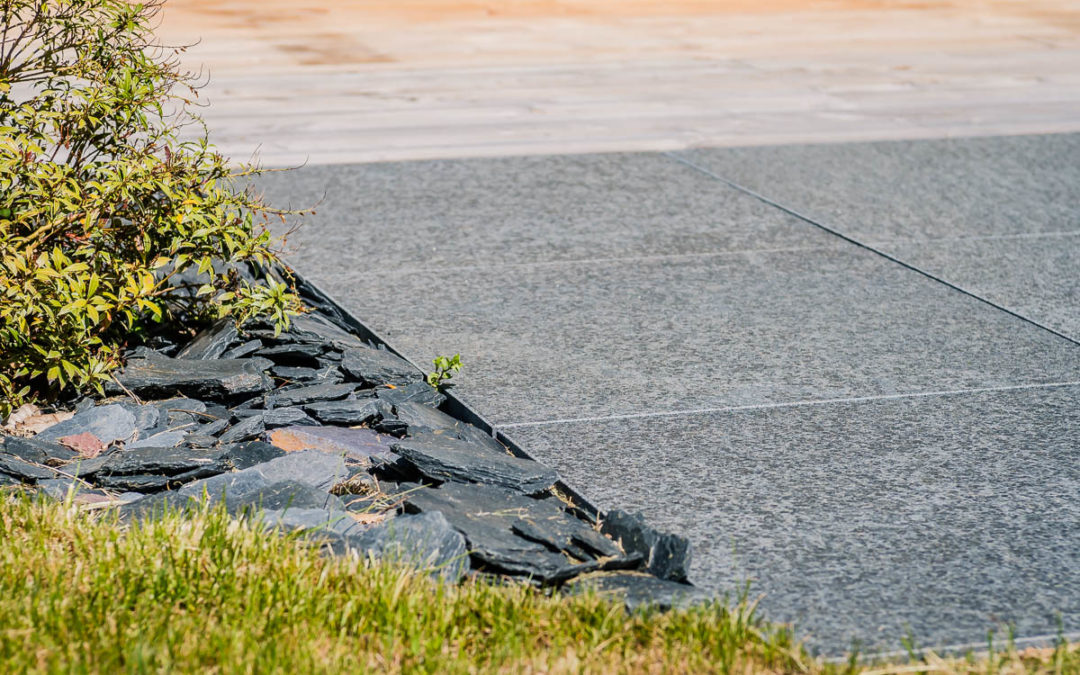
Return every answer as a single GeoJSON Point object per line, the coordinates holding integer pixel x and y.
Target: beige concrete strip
{"type": "Point", "coordinates": [360, 80]}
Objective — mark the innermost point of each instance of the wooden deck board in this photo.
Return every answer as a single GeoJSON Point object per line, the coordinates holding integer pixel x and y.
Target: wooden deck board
{"type": "Point", "coordinates": [359, 80]}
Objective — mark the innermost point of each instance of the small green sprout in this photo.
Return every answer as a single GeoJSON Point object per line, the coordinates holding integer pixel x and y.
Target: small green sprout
{"type": "Point", "coordinates": [445, 367]}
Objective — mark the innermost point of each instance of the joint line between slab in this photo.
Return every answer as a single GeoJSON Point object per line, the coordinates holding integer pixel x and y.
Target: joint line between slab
{"type": "Point", "coordinates": [790, 404]}
{"type": "Point", "coordinates": [868, 247]}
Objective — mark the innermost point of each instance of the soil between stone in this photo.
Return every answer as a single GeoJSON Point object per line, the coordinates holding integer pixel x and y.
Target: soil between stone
{"type": "Point", "coordinates": [320, 430]}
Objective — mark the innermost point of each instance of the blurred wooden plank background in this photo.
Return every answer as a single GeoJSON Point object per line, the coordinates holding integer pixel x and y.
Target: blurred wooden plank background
{"type": "Point", "coordinates": [329, 81]}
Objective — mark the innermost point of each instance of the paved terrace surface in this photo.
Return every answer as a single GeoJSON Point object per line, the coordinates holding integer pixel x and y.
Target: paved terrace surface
{"type": "Point", "coordinates": [857, 389]}
{"type": "Point", "coordinates": [811, 398]}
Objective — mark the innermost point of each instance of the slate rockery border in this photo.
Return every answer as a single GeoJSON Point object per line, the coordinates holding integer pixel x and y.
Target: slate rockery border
{"type": "Point", "coordinates": [326, 429]}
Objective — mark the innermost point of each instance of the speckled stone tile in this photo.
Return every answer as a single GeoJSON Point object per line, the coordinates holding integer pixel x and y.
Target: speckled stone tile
{"type": "Point", "coordinates": [996, 216]}
{"type": "Point", "coordinates": [434, 216]}
{"type": "Point", "coordinates": [947, 515]}
{"type": "Point", "coordinates": [570, 341]}
{"type": "Point", "coordinates": [917, 190]}
{"type": "Point", "coordinates": [1038, 278]}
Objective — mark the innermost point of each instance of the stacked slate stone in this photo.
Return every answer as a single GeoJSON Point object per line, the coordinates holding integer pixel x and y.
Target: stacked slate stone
{"type": "Point", "coordinates": [318, 430]}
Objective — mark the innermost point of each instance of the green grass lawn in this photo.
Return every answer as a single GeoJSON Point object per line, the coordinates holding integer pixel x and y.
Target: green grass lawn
{"type": "Point", "coordinates": [81, 593]}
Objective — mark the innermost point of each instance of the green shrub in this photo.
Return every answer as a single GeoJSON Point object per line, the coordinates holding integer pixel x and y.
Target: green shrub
{"type": "Point", "coordinates": [105, 213]}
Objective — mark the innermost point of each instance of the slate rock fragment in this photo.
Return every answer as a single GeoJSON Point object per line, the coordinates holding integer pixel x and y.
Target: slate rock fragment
{"type": "Point", "coordinates": [377, 366]}
{"type": "Point", "coordinates": [146, 415]}
{"type": "Point", "coordinates": [108, 422]}
{"type": "Point", "coordinates": [167, 461]}
{"type": "Point", "coordinates": [316, 328]}
{"type": "Point", "coordinates": [216, 379]}
{"type": "Point", "coordinates": [354, 412]}
{"type": "Point", "coordinates": [248, 455]}
{"type": "Point", "coordinates": [282, 417]}
{"type": "Point", "coordinates": [417, 392]}
{"type": "Point", "coordinates": [311, 467]}
{"type": "Point", "coordinates": [164, 439]}
{"type": "Point", "coordinates": [324, 374]}
{"type": "Point", "coordinates": [212, 428]}
{"type": "Point", "coordinates": [666, 555]}
{"type": "Point", "coordinates": [154, 482]}
{"type": "Point", "coordinates": [364, 445]}
{"type": "Point", "coordinates": [443, 458]}
{"type": "Point", "coordinates": [244, 349]}
{"type": "Point", "coordinates": [316, 392]}
{"type": "Point", "coordinates": [485, 516]}
{"type": "Point", "coordinates": [423, 419]}
{"type": "Point", "coordinates": [316, 523]}
{"type": "Point", "coordinates": [23, 470]}
{"type": "Point", "coordinates": [286, 494]}
{"type": "Point", "coordinates": [293, 354]}
{"type": "Point", "coordinates": [638, 590]}
{"type": "Point", "coordinates": [38, 451]}
{"type": "Point", "coordinates": [246, 429]}
{"type": "Point", "coordinates": [199, 441]}
{"type": "Point", "coordinates": [426, 541]}
{"type": "Point", "coordinates": [211, 342]}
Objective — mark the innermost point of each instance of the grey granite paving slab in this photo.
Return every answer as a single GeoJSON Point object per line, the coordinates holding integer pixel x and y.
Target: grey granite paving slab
{"type": "Point", "coordinates": [947, 515]}
{"type": "Point", "coordinates": [597, 339]}
{"type": "Point", "coordinates": [930, 202]}
{"type": "Point", "coordinates": [916, 190]}
{"type": "Point", "coordinates": [434, 216]}
{"type": "Point", "coordinates": [1038, 278]}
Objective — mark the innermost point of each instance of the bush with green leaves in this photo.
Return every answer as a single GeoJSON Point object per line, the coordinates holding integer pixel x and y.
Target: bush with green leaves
{"type": "Point", "coordinates": [106, 207]}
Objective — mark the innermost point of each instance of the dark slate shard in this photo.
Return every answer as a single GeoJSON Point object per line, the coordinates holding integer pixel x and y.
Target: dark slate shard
{"type": "Point", "coordinates": [376, 367]}
{"type": "Point", "coordinates": [286, 494]}
{"type": "Point", "coordinates": [339, 525]}
{"type": "Point", "coordinates": [178, 413]}
{"type": "Point", "coordinates": [298, 374]}
{"type": "Point", "coordinates": [422, 419]}
{"type": "Point", "coordinates": [390, 426]}
{"type": "Point", "coordinates": [214, 379]}
{"type": "Point", "coordinates": [666, 555]}
{"type": "Point", "coordinates": [168, 461]}
{"type": "Point", "coordinates": [364, 445]}
{"type": "Point", "coordinates": [84, 468]}
{"type": "Point", "coordinates": [443, 458]}
{"type": "Point", "coordinates": [318, 469]}
{"type": "Point", "coordinates": [172, 405]}
{"type": "Point", "coordinates": [147, 415]}
{"type": "Point", "coordinates": [38, 451]}
{"type": "Point", "coordinates": [154, 482]}
{"type": "Point", "coordinates": [108, 423]}
{"type": "Point", "coordinates": [244, 349]}
{"type": "Point", "coordinates": [215, 412]}
{"type": "Point", "coordinates": [639, 590]}
{"type": "Point", "coordinates": [559, 531]}
{"type": "Point", "coordinates": [7, 480]}
{"type": "Point", "coordinates": [485, 515]}
{"type": "Point", "coordinates": [212, 342]}
{"type": "Point", "coordinates": [58, 488]}
{"type": "Point", "coordinates": [165, 439]}
{"type": "Point", "coordinates": [249, 454]}
{"type": "Point", "coordinates": [360, 411]}
{"type": "Point", "coordinates": [283, 417]}
{"type": "Point", "coordinates": [200, 441]}
{"type": "Point", "coordinates": [417, 392]}
{"type": "Point", "coordinates": [425, 541]}
{"type": "Point", "coordinates": [293, 354]}
{"type": "Point", "coordinates": [312, 393]}
{"type": "Point", "coordinates": [213, 428]}
{"type": "Point", "coordinates": [23, 470]}
{"type": "Point", "coordinates": [315, 328]}
{"type": "Point", "coordinates": [244, 430]}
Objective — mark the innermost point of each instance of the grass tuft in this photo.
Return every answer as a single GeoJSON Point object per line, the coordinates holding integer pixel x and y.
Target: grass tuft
{"type": "Point", "coordinates": [81, 593]}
